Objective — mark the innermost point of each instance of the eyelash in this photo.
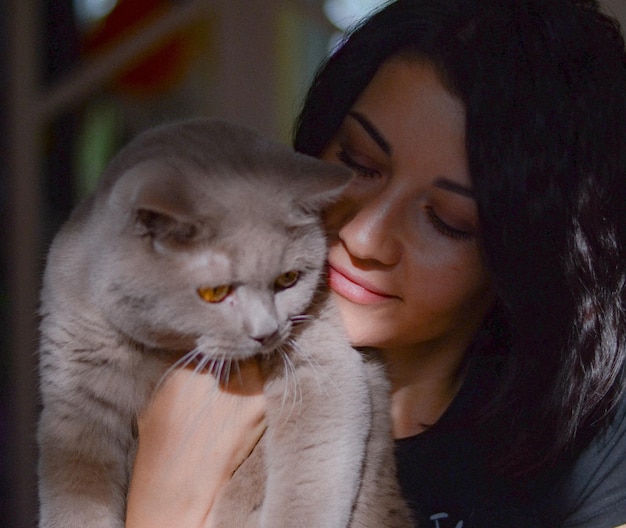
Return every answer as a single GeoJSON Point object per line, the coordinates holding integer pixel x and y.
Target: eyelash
{"type": "Point", "coordinates": [349, 162]}
{"type": "Point", "coordinates": [437, 223]}
{"type": "Point", "coordinates": [445, 229]}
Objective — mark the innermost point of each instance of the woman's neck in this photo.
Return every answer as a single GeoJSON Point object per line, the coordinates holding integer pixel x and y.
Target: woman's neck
{"type": "Point", "coordinates": [423, 384]}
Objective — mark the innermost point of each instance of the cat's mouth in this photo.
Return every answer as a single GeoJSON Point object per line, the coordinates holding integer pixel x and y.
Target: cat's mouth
{"type": "Point", "coordinates": [243, 376]}
{"type": "Point", "coordinates": [228, 363]}
{"type": "Point", "coordinates": [202, 362]}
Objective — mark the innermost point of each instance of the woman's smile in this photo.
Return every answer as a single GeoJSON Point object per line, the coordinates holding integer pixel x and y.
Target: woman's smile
{"type": "Point", "coordinates": [355, 289]}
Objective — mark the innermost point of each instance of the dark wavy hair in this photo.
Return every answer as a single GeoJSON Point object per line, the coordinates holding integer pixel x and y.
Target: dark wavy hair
{"type": "Point", "coordinates": [544, 86]}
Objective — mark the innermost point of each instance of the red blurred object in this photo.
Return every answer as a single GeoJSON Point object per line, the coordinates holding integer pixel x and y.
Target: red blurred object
{"type": "Point", "coordinates": [162, 66]}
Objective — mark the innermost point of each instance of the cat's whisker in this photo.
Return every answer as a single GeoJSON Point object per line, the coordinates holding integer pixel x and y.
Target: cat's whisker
{"type": "Point", "coordinates": [217, 367]}
{"type": "Point", "coordinates": [321, 373]}
{"type": "Point", "coordinates": [287, 389]}
{"type": "Point", "coordinates": [237, 367]}
{"type": "Point", "coordinates": [291, 384]}
{"type": "Point", "coordinates": [310, 360]}
{"type": "Point", "coordinates": [183, 362]}
{"type": "Point", "coordinates": [300, 319]}
{"type": "Point", "coordinates": [287, 379]}
{"type": "Point", "coordinates": [202, 363]}
{"type": "Point", "coordinates": [221, 368]}
{"type": "Point", "coordinates": [227, 368]}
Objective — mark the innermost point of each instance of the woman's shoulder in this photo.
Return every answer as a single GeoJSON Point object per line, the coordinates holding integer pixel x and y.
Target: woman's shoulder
{"type": "Point", "coordinates": [590, 491]}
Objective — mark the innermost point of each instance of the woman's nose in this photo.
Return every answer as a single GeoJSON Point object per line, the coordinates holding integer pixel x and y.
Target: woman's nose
{"type": "Point", "coordinates": [369, 231]}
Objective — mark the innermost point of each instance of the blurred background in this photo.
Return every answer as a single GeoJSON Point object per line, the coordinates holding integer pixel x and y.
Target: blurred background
{"type": "Point", "coordinates": [78, 78]}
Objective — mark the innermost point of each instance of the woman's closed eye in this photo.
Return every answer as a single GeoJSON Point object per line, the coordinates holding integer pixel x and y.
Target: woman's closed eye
{"type": "Point", "coordinates": [351, 163]}
{"type": "Point", "coordinates": [365, 168]}
{"type": "Point", "coordinates": [446, 229]}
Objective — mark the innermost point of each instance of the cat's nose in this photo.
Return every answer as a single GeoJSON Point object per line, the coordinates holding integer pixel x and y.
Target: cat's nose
{"type": "Point", "coordinates": [266, 337]}
{"type": "Point", "coordinates": [263, 326]}
{"type": "Point", "coordinates": [261, 321]}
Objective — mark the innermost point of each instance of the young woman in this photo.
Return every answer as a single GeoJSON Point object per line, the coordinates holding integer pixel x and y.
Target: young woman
{"type": "Point", "coordinates": [481, 249]}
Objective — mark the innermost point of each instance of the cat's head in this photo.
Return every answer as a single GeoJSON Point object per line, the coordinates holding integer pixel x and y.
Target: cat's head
{"type": "Point", "coordinates": [210, 238]}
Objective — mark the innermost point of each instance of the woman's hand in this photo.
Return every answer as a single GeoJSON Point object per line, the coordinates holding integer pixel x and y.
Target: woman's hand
{"type": "Point", "coordinates": [192, 438]}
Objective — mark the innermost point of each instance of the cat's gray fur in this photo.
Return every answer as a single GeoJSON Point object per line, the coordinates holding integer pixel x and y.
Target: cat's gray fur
{"type": "Point", "coordinates": [189, 205]}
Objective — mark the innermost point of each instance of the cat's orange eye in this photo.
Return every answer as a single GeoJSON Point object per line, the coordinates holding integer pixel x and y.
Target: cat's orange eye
{"type": "Point", "coordinates": [286, 280]}
{"type": "Point", "coordinates": [216, 294]}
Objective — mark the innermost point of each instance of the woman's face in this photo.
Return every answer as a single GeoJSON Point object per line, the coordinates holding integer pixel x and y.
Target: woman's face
{"type": "Point", "coordinates": [405, 261]}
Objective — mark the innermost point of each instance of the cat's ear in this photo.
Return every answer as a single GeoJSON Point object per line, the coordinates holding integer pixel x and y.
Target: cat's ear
{"type": "Point", "coordinates": [319, 183]}
{"type": "Point", "coordinates": [157, 199]}
{"type": "Point", "coordinates": [162, 226]}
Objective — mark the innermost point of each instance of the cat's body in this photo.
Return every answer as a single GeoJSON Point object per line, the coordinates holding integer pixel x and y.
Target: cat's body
{"type": "Point", "coordinates": [203, 241]}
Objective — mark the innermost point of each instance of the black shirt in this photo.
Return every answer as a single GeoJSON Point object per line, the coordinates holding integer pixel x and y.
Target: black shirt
{"type": "Point", "coordinates": [448, 483]}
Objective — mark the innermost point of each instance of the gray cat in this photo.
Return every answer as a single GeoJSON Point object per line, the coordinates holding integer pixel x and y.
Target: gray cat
{"type": "Point", "coordinates": [203, 243]}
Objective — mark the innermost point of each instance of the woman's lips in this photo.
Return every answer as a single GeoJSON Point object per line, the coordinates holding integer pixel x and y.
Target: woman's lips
{"type": "Point", "coordinates": [353, 289]}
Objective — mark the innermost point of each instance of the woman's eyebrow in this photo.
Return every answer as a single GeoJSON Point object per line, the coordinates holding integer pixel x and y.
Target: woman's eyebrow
{"type": "Point", "coordinates": [452, 186]}
{"type": "Point", "coordinates": [372, 131]}
{"type": "Point", "coordinates": [442, 183]}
